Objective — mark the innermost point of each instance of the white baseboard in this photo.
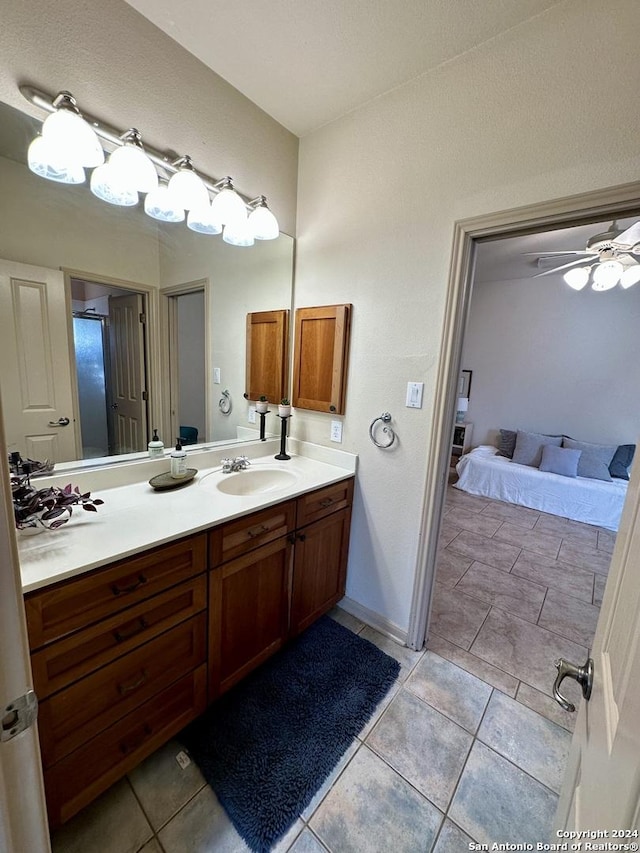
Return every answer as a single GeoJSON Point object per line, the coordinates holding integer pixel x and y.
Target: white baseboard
{"type": "Point", "coordinates": [374, 620]}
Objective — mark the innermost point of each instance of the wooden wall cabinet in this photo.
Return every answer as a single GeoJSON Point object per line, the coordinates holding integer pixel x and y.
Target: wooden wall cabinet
{"type": "Point", "coordinates": [267, 358]}
{"type": "Point", "coordinates": [320, 358]}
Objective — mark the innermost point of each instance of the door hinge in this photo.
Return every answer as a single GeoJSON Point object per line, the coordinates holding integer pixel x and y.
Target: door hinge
{"type": "Point", "coordinates": [145, 395]}
{"type": "Point", "coordinates": [142, 318]}
{"type": "Point", "coordinates": [18, 715]}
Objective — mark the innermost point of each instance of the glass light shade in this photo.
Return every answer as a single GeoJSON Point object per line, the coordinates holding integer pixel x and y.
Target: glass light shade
{"type": "Point", "coordinates": [203, 221]}
{"type": "Point", "coordinates": [630, 276]}
{"type": "Point", "coordinates": [188, 191]}
{"type": "Point", "coordinates": [71, 132]}
{"type": "Point", "coordinates": [577, 278]}
{"type": "Point", "coordinates": [263, 224]}
{"type": "Point", "coordinates": [607, 275]}
{"type": "Point", "coordinates": [238, 233]}
{"type": "Point", "coordinates": [160, 204]}
{"type": "Point", "coordinates": [107, 184]}
{"type": "Point", "coordinates": [50, 161]}
{"type": "Point", "coordinates": [228, 207]}
{"type": "Point", "coordinates": [136, 170]}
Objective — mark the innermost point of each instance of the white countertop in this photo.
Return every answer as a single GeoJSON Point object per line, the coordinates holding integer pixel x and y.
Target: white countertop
{"type": "Point", "coordinates": [135, 517]}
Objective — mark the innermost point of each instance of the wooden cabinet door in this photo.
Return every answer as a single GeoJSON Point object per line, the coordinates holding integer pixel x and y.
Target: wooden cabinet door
{"type": "Point", "coordinates": [248, 612]}
{"type": "Point", "coordinates": [320, 358]}
{"type": "Point", "coordinates": [267, 355]}
{"type": "Point", "coordinates": [320, 568]}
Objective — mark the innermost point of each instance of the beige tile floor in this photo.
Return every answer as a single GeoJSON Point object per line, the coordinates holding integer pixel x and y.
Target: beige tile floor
{"type": "Point", "coordinates": [467, 746]}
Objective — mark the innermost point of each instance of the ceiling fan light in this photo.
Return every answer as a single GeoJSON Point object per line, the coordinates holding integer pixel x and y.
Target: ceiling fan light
{"type": "Point", "coordinates": [607, 275]}
{"type": "Point", "coordinates": [134, 167]}
{"type": "Point", "coordinates": [630, 276]}
{"type": "Point", "coordinates": [160, 204]}
{"type": "Point", "coordinates": [577, 278]}
{"type": "Point", "coordinates": [108, 185]}
{"type": "Point", "coordinates": [263, 223]}
{"type": "Point", "coordinates": [203, 221]}
{"type": "Point", "coordinates": [50, 161]}
{"type": "Point", "coordinates": [238, 233]}
{"type": "Point", "coordinates": [66, 128]}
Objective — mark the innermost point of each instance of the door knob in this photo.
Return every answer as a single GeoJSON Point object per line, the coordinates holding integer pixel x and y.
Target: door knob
{"type": "Point", "coordinates": [114, 406]}
{"type": "Point", "coordinates": [60, 422]}
{"type": "Point", "coordinates": [582, 674]}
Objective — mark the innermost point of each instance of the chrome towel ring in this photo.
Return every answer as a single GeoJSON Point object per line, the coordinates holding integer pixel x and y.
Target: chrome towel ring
{"type": "Point", "coordinates": [224, 403]}
{"type": "Point", "coordinates": [385, 417]}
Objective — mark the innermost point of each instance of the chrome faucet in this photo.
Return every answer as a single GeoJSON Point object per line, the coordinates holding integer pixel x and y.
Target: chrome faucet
{"type": "Point", "coordinates": [240, 463]}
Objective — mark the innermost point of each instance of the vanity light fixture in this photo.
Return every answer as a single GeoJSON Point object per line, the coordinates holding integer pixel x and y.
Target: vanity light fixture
{"type": "Point", "coordinates": [70, 143]}
{"type": "Point", "coordinates": [161, 204]}
{"type": "Point", "coordinates": [263, 223]}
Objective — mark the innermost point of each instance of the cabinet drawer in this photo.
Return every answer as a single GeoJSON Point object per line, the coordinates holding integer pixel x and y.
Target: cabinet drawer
{"type": "Point", "coordinates": [323, 502]}
{"type": "Point", "coordinates": [59, 610]}
{"type": "Point", "coordinates": [75, 715]}
{"type": "Point", "coordinates": [237, 537]}
{"type": "Point", "coordinates": [79, 778]}
{"type": "Point", "coordinates": [59, 664]}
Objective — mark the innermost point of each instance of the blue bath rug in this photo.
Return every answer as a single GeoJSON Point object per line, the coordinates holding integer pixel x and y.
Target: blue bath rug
{"type": "Point", "coordinates": [267, 745]}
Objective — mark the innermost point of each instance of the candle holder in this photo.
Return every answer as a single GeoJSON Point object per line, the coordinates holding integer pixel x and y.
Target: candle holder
{"type": "Point", "coordinates": [263, 416]}
{"type": "Point", "coordinates": [283, 438]}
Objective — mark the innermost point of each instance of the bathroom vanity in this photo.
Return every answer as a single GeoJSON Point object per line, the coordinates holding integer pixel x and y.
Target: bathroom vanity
{"type": "Point", "coordinates": [126, 653]}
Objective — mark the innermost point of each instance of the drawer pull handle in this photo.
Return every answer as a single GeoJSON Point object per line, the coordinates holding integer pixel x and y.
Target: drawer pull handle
{"type": "Point", "coordinates": [135, 742]}
{"type": "Point", "coordinates": [125, 689]}
{"type": "Point", "coordinates": [121, 590]}
{"type": "Point", "coordinates": [257, 531]}
{"type": "Point", "coordinates": [138, 626]}
{"type": "Point", "coordinates": [326, 502]}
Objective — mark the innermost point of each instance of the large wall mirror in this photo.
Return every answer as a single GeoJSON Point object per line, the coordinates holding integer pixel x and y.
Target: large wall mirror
{"type": "Point", "coordinates": [113, 324]}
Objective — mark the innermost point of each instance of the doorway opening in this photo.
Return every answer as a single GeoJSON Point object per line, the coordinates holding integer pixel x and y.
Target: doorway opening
{"type": "Point", "coordinates": [597, 206]}
{"type": "Point", "coordinates": [109, 336]}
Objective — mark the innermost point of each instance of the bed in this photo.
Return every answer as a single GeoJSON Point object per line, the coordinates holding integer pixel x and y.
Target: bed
{"type": "Point", "coordinates": [483, 472]}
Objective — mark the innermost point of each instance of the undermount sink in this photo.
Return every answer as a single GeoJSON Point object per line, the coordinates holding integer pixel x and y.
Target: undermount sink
{"type": "Point", "coordinates": [255, 482]}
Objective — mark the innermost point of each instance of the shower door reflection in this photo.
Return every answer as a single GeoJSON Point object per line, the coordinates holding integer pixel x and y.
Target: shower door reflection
{"type": "Point", "coordinates": [91, 349]}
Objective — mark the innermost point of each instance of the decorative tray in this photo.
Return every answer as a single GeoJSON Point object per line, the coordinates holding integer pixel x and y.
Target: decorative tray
{"type": "Point", "coordinates": [164, 482]}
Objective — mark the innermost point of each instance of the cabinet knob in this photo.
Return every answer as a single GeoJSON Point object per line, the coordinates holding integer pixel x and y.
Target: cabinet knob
{"type": "Point", "coordinates": [302, 536]}
{"type": "Point", "coordinates": [332, 408]}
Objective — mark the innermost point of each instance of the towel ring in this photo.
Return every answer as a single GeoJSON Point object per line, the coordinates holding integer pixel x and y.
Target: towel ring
{"type": "Point", "coordinates": [385, 417]}
{"type": "Point", "coordinates": [224, 403]}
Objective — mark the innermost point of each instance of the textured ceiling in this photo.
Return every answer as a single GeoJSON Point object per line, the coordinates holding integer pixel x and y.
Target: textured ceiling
{"type": "Point", "coordinates": [308, 62]}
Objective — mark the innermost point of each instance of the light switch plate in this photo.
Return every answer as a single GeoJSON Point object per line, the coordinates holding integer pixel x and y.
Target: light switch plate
{"type": "Point", "coordinates": [251, 415]}
{"type": "Point", "coordinates": [336, 431]}
{"type": "Point", "coordinates": [414, 395]}
{"type": "Point", "coordinates": [216, 375]}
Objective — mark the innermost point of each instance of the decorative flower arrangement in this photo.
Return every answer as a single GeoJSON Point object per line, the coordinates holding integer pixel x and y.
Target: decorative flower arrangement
{"type": "Point", "coordinates": [47, 508]}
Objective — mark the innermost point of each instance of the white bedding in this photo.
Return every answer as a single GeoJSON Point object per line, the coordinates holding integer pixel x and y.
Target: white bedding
{"type": "Point", "coordinates": [599, 502]}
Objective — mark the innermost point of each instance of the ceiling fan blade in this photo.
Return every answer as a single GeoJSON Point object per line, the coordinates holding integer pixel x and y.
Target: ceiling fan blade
{"type": "Point", "coordinates": [631, 236]}
{"type": "Point", "coordinates": [548, 254]}
{"type": "Point", "coordinates": [566, 266]}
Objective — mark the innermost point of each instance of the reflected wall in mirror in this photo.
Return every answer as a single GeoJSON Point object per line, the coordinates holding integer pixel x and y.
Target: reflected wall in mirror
{"type": "Point", "coordinates": [182, 300]}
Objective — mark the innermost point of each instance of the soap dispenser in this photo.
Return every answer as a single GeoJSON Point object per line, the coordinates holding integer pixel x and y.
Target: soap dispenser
{"type": "Point", "coordinates": [156, 446]}
{"type": "Point", "coordinates": [178, 461]}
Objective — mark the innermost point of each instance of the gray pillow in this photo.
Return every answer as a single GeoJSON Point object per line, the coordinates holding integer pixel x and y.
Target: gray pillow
{"type": "Point", "coordinates": [595, 458]}
{"type": "Point", "coordinates": [507, 442]}
{"type": "Point", "coordinates": [528, 450]}
{"type": "Point", "coordinates": [560, 460]}
{"type": "Point", "coordinates": [621, 462]}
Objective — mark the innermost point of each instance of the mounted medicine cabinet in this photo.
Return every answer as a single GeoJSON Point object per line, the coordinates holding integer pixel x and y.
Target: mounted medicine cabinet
{"type": "Point", "coordinates": [320, 358]}
{"type": "Point", "coordinates": [267, 355]}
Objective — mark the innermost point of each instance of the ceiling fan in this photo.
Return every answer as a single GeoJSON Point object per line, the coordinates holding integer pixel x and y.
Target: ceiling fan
{"type": "Point", "coordinates": [610, 256]}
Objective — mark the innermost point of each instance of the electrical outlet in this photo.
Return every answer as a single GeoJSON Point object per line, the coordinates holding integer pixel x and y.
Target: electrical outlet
{"type": "Point", "coordinates": [251, 415]}
{"type": "Point", "coordinates": [414, 395]}
{"type": "Point", "coordinates": [183, 760]}
{"type": "Point", "coordinates": [216, 375]}
{"type": "Point", "coordinates": [336, 431]}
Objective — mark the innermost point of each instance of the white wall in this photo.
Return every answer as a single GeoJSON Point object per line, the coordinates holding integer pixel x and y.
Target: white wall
{"type": "Point", "coordinates": [548, 359]}
{"type": "Point", "coordinates": [191, 362]}
{"type": "Point", "coordinates": [548, 109]}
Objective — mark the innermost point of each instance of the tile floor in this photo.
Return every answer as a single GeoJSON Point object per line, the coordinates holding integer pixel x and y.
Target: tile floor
{"type": "Point", "coordinates": [467, 746]}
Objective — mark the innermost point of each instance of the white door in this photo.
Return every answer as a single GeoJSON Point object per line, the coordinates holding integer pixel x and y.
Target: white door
{"type": "Point", "coordinates": [127, 389]}
{"type": "Point", "coordinates": [35, 363]}
{"type": "Point", "coordinates": [602, 785]}
{"type": "Point", "coordinates": [23, 822]}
